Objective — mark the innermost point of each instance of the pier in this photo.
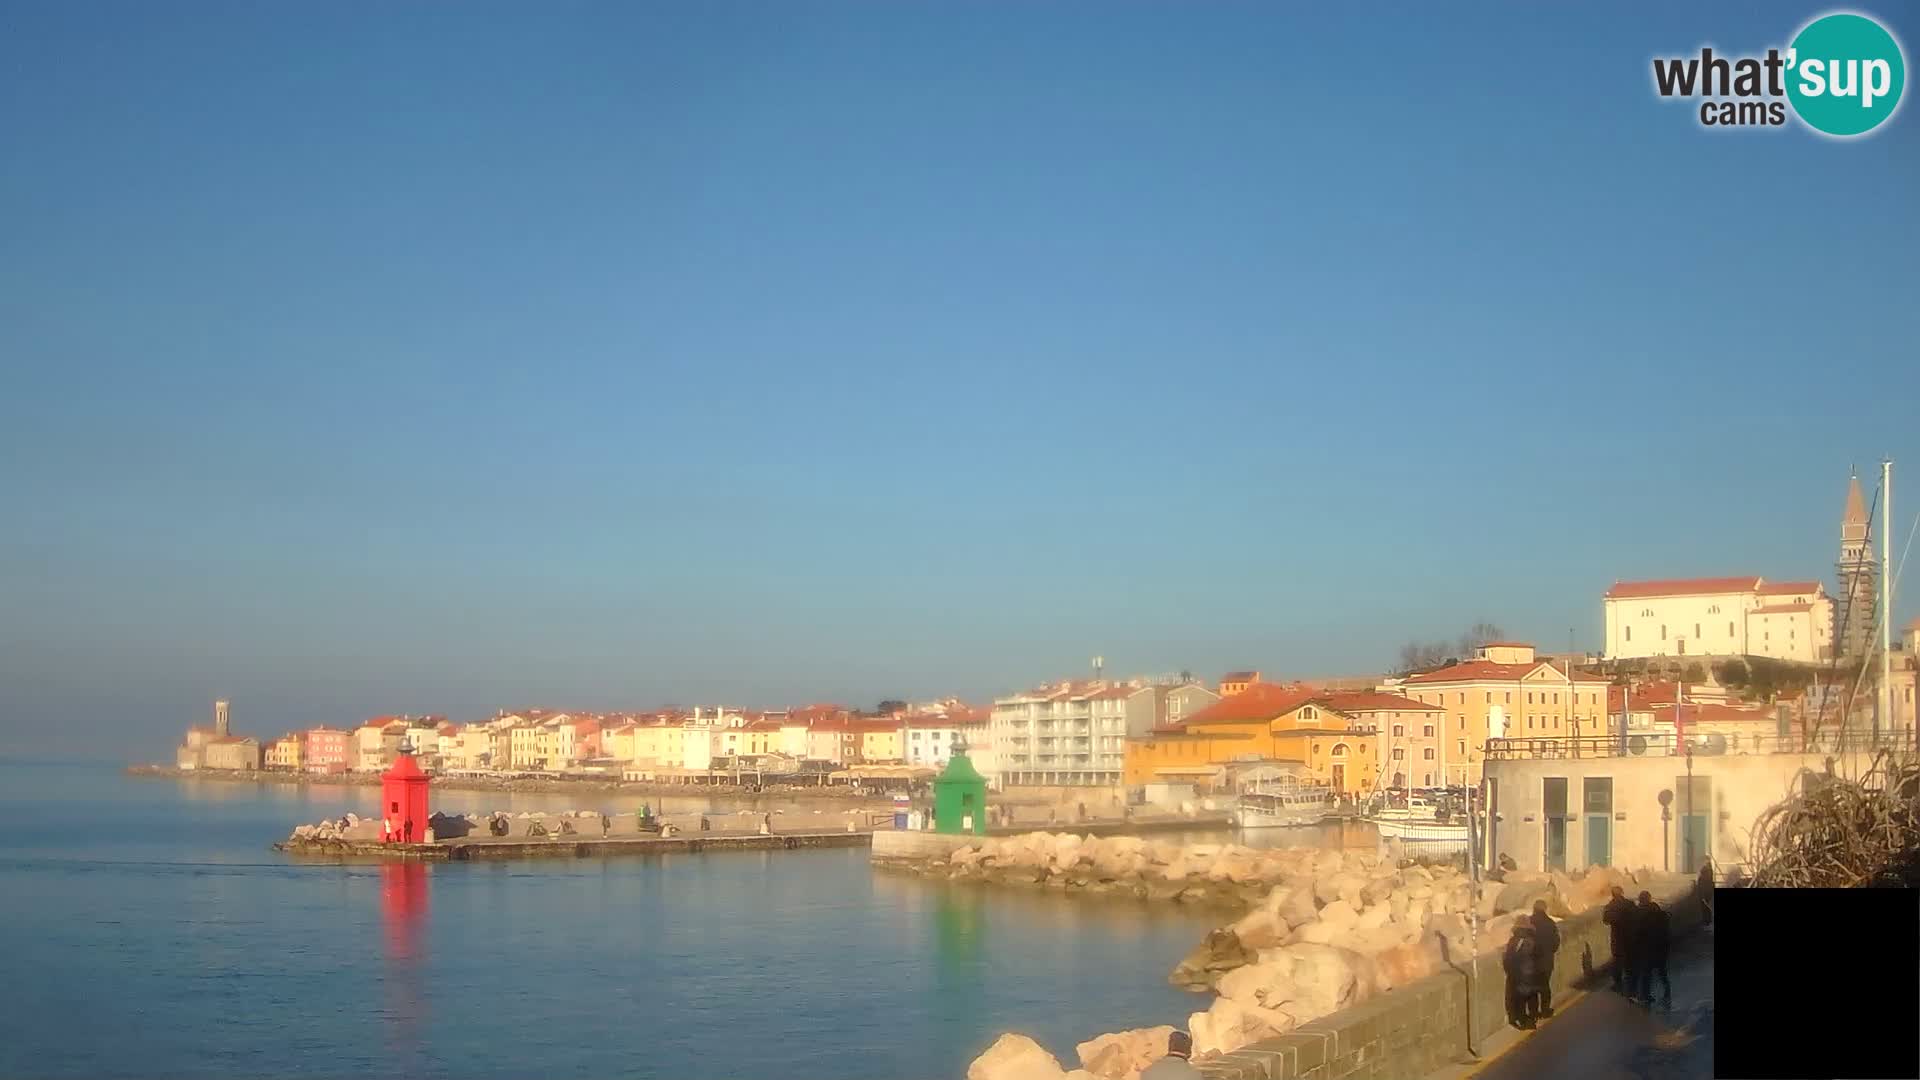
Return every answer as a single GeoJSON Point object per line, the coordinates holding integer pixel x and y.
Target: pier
{"type": "Point", "coordinates": [571, 847]}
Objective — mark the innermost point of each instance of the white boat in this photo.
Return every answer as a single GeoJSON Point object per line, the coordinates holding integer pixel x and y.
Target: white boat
{"type": "Point", "coordinates": [1420, 832]}
{"type": "Point", "coordinates": [1284, 806]}
{"type": "Point", "coordinates": [1418, 808]}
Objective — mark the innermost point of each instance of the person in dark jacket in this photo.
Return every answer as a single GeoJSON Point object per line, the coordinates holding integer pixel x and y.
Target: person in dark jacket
{"type": "Point", "coordinates": [1519, 962]}
{"type": "Point", "coordinates": [1546, 943]}
{"type": "Point", "coordinates": [1618, 916]}
{"type": "Point", "coordinates": [1653, 936]}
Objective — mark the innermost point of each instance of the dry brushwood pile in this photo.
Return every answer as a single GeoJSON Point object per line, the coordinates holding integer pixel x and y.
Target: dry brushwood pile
{"type": "Point", "coordinates": [1838, 832]}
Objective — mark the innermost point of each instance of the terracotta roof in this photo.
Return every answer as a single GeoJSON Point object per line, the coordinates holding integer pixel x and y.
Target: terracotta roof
{"type": "Point", "coordinates": [1353, 701]}
{"type": "Point", "coordinates": [1261, 701]}
{"type": "Point", "coordinates": [1488, 671]}
{"type": "Point", "coordinates": [1781, 609]}
{"type": "Point", "coordinates": [1696, 714]}
{"type": "Point", "coordinates": [1683, 587]}
{"type": "Point", "coordinates": [1774, 588]}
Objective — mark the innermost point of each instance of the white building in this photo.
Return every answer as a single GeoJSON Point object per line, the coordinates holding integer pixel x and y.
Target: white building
{"type": "Point", "coordinates": [928, 740]}
{"type": "Point", "coordinates": [1730, 616]}
{"type": "Point", "coordinates": [1075, 733]}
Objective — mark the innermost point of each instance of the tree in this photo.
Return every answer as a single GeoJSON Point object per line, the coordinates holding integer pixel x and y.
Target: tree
{"type": "Point", "coordinates": [890, 707]}
{"type": "Point", "coordinates": [1732, 673]}
{"type": "Point", "coordinates": [1479, 634]}
{"type": "Point", "coordinates": [1417, 656]}
{"type": "Point", "coordinates": [1694, 673]}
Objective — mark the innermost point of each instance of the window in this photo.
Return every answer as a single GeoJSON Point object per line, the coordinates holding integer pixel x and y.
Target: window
{"type": "Point", "coordinates": [1427, 753]}
{"type": "Point", "coordinates": [1463, 748]}
{"type": "Point", "coordinates": [1729, 629]}
{"type": "Point", "coordinates": [1463, 699]}
{"type": "Point", "coordinates": [1629, 633]}
{"type": "Point", "coordinates": [1489, 700]}
{"type": "Point", "coordinates": [1429, 779]}
{"type": "Point", "coordinates": [1714, 610]}
{"type": "Point", "coordinates": [1529, 699]}
{"type": "Point", "coordinates": [1663, 631]}
{"type": "Point", "coordinates": [1696, 630]}
{"type": "Point", "coordinates": [1427, 731]}
{"type": "Point", "coordinates": [1509, 697]}
{"type": "Point", "coordinates": [1556, 699]}
{"type": "Point", "coordinates": [1399, 731]}
{"type": "Point", "coordinates": [1399, 753]}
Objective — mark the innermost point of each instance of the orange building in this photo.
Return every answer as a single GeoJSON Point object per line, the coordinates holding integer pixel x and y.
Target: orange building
{"type": "Point", "coordinates": [1265, 722]}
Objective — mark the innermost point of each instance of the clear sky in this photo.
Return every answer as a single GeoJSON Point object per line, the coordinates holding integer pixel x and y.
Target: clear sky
{"type": "Point", "coordinates": [426, 357]}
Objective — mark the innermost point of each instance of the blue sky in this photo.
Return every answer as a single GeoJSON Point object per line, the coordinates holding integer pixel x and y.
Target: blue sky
{"type": "Point", "coordinates": [365, 358]}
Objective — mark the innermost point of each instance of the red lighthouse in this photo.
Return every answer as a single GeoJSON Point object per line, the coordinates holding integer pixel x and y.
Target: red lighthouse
{"type": "Point", "coordinates": [403, 800]}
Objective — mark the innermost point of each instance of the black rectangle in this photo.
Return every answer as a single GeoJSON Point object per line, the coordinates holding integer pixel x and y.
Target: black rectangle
{"type": "Point", "coordinates": [1817, 984]}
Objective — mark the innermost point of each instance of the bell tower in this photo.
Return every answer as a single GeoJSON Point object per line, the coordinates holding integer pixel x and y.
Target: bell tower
{"type": "Point", "coordinates": [1858, 599]}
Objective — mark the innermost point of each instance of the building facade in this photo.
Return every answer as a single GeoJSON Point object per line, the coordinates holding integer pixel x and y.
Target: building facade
{"type": "Point", "coordinates": [1719, 617]}
{"type": "Point", "coordinates": [1293, 727]}
{"type": "Point", "coordinates": [1505, 691]}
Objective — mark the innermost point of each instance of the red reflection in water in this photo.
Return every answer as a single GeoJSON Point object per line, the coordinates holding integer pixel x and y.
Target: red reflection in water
{"type": "Point", "coordinates": [403, 910]}
{"type": "Point", "coordinates": [403, 903]}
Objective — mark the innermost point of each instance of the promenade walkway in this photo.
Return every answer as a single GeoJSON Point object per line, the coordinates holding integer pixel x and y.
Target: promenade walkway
{"type": "Point", "coordinates": [1600, 1035]}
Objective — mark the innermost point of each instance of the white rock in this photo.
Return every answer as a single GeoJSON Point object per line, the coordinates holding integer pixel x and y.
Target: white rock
{"type": "Point", "coordinates": [1015, 1057]}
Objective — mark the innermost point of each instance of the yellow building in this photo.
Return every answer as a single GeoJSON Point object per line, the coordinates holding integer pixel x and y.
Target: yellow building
{"type": "Point", "coordinates": [879, 741]}
{"type": "Point", "coordinates": [1236, 682]}
{"type": "Point", "coordinates": [287, 752]}
{"type": "Point", "coordinates": [1505, 692]}
{"type": "Point", "coordinates": [659, 744]}
{"type": "Point", "coordinates": [1263, 722]}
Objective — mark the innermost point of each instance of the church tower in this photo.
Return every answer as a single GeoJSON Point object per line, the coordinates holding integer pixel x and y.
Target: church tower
{"type": "Point", "coordinates": [1859, 597]}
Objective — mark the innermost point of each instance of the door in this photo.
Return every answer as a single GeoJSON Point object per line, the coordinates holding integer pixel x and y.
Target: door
{"type": "Point", "coordinates": [1339, 777]}
{"type": "Point", "coordinates": [1693, 842]}
{"type": "Point", "coordinates": [1597, 805]}
{"type": "Point", "coordinates": [1554, 798]}
{"type": "Point", "coordinates": [1692, 808]}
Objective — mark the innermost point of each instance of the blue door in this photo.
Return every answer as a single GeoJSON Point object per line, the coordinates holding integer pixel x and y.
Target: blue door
{"type": "Point", "coordinates": [1599, 840]}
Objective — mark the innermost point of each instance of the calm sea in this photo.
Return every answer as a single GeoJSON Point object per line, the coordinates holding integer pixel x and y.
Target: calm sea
{"type": "Point", "coordinates": [149, 930]}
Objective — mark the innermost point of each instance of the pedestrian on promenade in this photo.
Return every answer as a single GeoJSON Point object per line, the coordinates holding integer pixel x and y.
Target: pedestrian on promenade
{"type": "Point", "coordinates": [1619, 915]}
{"type": "Point", "coordinates": [1175, 1065]}
{"type": "Point", "coordinates": [1519, 963]}
{"type": "Point", "coordinates": [1546, 944]}
{"type": "Point", "coordinates": [409, 830]}
{"type": "Point", "coordinates": [1653, 937]}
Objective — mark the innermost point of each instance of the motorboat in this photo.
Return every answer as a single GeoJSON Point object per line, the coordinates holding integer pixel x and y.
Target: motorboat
{"type": "Point", "coordinates": [1286, 805]}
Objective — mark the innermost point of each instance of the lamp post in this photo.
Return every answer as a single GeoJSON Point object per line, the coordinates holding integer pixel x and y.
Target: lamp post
{"type": "Point", "coordinates": [1666, 815]}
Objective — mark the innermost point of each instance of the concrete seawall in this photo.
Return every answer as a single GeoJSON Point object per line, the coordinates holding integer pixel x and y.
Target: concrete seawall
{"type": "Point", "coordinates": [569, 848]}
{"type": "Point", "coordinates": [1413, 1030]}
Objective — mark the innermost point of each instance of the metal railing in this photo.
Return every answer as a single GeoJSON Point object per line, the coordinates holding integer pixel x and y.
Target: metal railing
{"type": "Point", "coordinates": [1708, 744]}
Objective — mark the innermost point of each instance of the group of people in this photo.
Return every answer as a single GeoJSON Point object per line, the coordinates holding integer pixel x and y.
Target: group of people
{"type": "Point", "coordinates": [1528, 962]}
{"type": "Point", "coordinates": [1641, 936]}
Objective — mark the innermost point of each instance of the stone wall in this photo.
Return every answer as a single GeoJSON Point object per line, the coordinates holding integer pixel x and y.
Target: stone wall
{"type": "Point", "coordinates": [1415, 1029]}
{"type": "Point", "coordinates": [902, 846]}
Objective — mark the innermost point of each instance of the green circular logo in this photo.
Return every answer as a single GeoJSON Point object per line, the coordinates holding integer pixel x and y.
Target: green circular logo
{"type": "Point", "coordinates": [1845, 74]}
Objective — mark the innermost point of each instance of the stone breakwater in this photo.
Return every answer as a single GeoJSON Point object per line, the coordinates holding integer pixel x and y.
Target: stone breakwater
{"type": "Point", "coordinates": [1121, 866]}
{"type": "Point", "coordinates": [1327, 931]}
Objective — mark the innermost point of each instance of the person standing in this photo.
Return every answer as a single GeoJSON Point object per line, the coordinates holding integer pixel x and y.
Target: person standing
{"type": "Point", "coordinates": [1618, 916]}
{"type": "Point", "coordinates": [1653, 937]}
{"type": "Point", "coordinates": [1546, 945]}
{"type": "Point", "coordinates": [1518, 962]}
{"type": "Point", "coordinates": [1175, 1066]}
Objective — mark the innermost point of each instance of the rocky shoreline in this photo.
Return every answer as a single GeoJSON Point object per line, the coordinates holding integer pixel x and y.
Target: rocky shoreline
{"type": "Point", "coordinates": [1320, 931]}
{"type": "Point", "coordinates": [541, 786]}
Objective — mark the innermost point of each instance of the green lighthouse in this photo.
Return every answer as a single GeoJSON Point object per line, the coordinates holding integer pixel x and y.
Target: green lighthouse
{"type": "Point", "coordinates": [960, 796]}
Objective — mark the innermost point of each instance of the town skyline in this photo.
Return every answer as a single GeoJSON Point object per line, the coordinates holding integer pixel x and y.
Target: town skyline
{"type": "Point", "coordinates": [513, 372]}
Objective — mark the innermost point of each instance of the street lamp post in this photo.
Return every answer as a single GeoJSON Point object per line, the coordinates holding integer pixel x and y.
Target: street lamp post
{"type": "Point", "coordinates": [1666, 815]}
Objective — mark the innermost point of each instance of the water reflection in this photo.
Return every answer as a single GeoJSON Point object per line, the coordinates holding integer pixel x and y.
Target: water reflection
{"type": "Point", "coordinates": [403, 908]}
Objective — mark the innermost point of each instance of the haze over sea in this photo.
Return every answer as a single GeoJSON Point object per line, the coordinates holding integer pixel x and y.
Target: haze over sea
{"type": "Point", "coordinates": [152, 932]}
